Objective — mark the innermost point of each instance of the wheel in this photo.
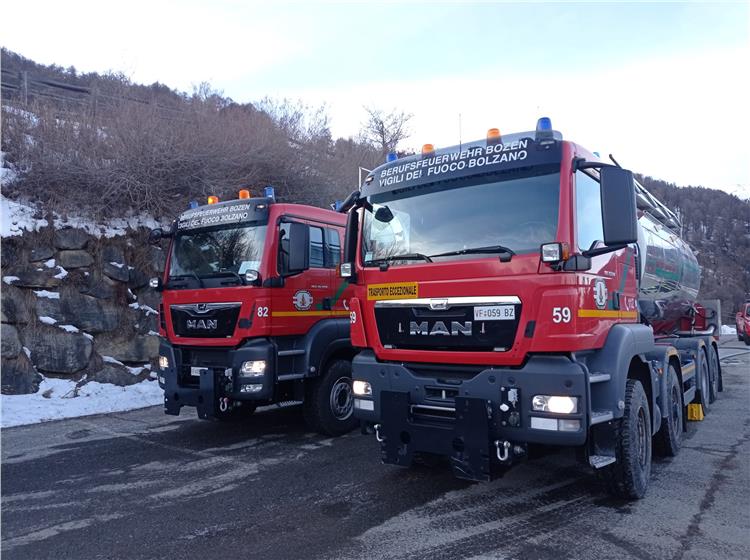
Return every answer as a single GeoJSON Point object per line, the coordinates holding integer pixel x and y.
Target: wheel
{"type": "Point", "coordinates": [739, 332]}
{"type": "Point", "coordinates": [703, 395]}
{"type": "Point", "coordinates": [628, 477]}
{"type": "Point", "coordinates": [747, 339]}
{"type": "Point", "coordinates": [713, 373]}
{"type": "Point", "coordinates": [669, 436]}
{"type": "Point", "coordinates": [236, 413]}
{"type": "Point", "coordinates": [329, 401]}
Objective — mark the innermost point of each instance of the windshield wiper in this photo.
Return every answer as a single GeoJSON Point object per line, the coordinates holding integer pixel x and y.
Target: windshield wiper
{"type": "Point", "coordinates": [403, 257]}
{"type": "Point", "coordinates": [480, 250]}
{"type": "Point", "coordinates": [225, 272]}
{"type": "Point", "coordinates": [189, 275]}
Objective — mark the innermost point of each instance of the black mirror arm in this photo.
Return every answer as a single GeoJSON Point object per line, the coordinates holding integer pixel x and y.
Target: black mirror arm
{"type": "Point", "coordinates": [580, 163]}
{"type": "Point", "coordinates": [603, 250]}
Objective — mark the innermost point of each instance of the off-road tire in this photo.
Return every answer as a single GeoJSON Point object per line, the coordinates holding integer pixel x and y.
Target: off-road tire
{"type": "Point", "coordinates": [628, 478]}
{"type": "Point", "coordinates": [318, 407]}
{"type": "Point", "coordinates": [713, 367]}
{"type": "Point", "coordinates": [703, 380]}
{"type": "Point", "coordinates": [668, 439]}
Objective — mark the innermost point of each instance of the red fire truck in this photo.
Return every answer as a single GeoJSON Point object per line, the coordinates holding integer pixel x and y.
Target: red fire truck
{"type": "Point", "coordinates": [253, 311]}
{"type": "Point", "coordinates": [519, 291]}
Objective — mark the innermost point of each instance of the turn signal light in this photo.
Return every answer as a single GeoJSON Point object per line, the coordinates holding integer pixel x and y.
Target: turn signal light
{"type": "Point", "coordinates": [213, 199]}
{"type": "Point", "coordinates": [427, 149]}
{"type": "Point", "coordinates": [244, 193]}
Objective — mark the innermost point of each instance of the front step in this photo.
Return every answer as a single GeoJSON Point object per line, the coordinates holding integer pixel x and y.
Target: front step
{"type": "Point", "coordinates": [601, 416]}
{"type": "Point", "coordinates": [600, 461]}
{"type": "Point", "coordinates": [599, 377]}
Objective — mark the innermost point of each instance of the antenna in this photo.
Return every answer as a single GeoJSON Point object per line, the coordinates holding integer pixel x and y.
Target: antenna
{"type": "Point", "coordinates": [459, 132]}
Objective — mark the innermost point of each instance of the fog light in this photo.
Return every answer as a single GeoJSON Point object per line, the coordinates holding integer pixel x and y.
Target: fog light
{"type": "Point", "coordinates": [163, 362]}
{"type": "Point", "coordinates": [251, 388]}
{"type": "Point", "coordinates": [364, 404]}
{"type": "Point", "coordinates": [555, 404]}
{"type": "Point", "coordinates": [254, 368]}
{"type": "Point", "coordinates": [153, 282]}
{"type": "Point", "coordinates": [568, 425]}
{"type": "Point", "coordinates": [544, 423]}
{"type": "Point", "coordinates": [361, 388]}
{"type": "Point", "coordinates": [251, 276]}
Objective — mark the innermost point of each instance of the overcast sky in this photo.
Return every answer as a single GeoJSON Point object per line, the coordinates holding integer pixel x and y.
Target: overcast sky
{"type": "Point", "coordinates": [664, 87]}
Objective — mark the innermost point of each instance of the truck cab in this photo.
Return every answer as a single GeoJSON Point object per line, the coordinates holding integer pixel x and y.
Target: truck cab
{"type": "Point", "coordinates": [253, 312]}
{"type": "Point", "coordinates": [742, 323]}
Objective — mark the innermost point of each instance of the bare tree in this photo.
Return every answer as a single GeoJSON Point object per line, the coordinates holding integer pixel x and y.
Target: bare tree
{"type": "Point", "coordinates": [384, 130]}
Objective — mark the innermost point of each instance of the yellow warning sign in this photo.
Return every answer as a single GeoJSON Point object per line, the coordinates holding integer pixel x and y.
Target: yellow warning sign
{"type": "Point", "coordinates": [402, 290]}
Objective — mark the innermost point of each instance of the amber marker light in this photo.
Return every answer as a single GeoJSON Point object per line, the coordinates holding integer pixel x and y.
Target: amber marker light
{"type": "Point", "coordinates": [244, 193]}
{"type": "Point", "coordinates": [427, 149]}
{"type": "Point", "coordinates": [213, 199]}
{"type": "Point", "coordinates": [493, 134]}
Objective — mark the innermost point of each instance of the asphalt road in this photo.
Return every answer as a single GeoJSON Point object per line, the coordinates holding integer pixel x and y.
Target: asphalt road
{"type": "Point", "coordinates": [146, 485]}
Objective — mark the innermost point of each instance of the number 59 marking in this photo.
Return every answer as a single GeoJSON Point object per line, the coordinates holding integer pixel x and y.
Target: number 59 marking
{"type": "Point", "coordinates": [561, 314]}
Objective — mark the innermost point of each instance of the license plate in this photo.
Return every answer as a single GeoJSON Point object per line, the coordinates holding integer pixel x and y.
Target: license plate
{"type": "Point", "coordinates": [495, 313]}
{"type": "Point", "coordinates": [196, 371]}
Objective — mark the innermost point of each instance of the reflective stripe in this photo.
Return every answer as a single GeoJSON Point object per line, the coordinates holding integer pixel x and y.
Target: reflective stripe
{"type": "Point", "coordinates": [342, 313]}
{"type": "Point", "coordinates": [607, 314]}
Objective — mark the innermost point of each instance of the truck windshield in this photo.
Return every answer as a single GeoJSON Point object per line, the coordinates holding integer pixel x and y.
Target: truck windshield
{"type": "Point", "coordinates": [511, 211]}
{"type": "Point", "coordinates": [217, 252]}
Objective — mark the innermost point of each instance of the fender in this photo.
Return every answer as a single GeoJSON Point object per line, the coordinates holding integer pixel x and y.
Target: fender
{"type": "Point", "coordinates": [624, 342]}
{"type": "Point", "coordinates": [322, 340]}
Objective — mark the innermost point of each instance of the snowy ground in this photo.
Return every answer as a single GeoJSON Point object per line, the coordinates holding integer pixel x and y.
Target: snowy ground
{"type": "Point", "coordinates": [726, 329]}
{"type": "Point", "coordinates": [60, 402]}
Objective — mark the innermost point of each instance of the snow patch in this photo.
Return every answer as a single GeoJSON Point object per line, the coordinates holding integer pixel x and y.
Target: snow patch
{"type": "Point", "coordinates": [148, 310]}
{"type": "Point", "coordinates": [47, 320]}
{"type": "Point", "coordinates": [46, 294]}
{"type": "Point", "coordinates": [69, 328]}
{"type": "Point", "coordinates": [111, 360]}
{"type": "Point", "coordinates": [726, 329]}
{"type": "Point", "coordinates": [16, 217]}
{"type": "Point", "coordinates": [118, 265]}
{"type": "Point", "coordinates": [50, 263]}
{"type": "Point", "coordinates": [89, 336]}
{"type": "Point", "coordinates": [62, 402]}
{"type": "Point", "coordinates": [10, 279]}
{"type": "Point", "coordinates": [63, 273]}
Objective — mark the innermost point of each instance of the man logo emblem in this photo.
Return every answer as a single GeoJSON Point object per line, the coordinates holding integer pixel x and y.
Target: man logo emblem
{"type": "Point", "coordinates": [600, 293]}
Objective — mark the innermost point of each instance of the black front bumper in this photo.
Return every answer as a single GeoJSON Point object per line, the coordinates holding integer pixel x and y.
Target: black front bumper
{"type": "Point", "coordinates": [469, 419]}
{"type": "Point", "coordinates": [219, 376]}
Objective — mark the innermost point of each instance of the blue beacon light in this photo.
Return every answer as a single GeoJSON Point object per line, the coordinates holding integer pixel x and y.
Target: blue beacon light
{"type": "Point", "coordinates": [544, 134]}
{"type": "Point", "coordinates": [193, 204]}
{"type": "Point", "coordinates": [269, 192]}
{"type": "Point", "coordinates": [392, 156]}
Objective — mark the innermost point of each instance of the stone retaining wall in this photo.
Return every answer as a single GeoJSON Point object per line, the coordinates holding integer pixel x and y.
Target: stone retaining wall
{"type": "Point", "coordinates": [79, 307]}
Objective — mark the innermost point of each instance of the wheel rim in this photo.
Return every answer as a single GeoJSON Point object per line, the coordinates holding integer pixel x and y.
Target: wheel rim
{"type": "Point", "coordinates": [641, 437]}
{"type": "Point", "coordinates": [341, 400]}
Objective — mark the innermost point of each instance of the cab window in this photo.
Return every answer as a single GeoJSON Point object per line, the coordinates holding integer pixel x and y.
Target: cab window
{"type": "Point", "coordinates": [588, 211]}
{"type": "Point", "coordinates": [333, 248]}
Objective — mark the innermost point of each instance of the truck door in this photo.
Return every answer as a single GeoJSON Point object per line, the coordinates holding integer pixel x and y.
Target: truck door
{"type": "Point", "coordinates": [301, 302]}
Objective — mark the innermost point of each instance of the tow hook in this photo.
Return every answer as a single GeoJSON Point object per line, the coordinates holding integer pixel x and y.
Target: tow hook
{"type": "Point", "coordinates": [223, 404]}
{"type": "Point", "coordinates": [378, 437]}
{"type": "Point", "coordinates": [502, 449]}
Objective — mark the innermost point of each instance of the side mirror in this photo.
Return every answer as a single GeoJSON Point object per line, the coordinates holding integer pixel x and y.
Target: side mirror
{"type": "Point", "coordinates": [619, 212]}
{"type": "Point", "coordinates": [155, 236]}
{"type": "Point", "coordinates": [299, 248]}
{"type": "Point", "coordinates": [350, 245]}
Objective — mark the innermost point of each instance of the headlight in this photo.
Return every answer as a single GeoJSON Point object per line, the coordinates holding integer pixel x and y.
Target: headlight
{"type": "Point", "coordinates": [555, 404]}
{"type": "Point", "coordinates": [361, 388]}
{"type": "Point", "coordinates": [163, 362]}
{"type": "Point", "coordinates": [254, 368]}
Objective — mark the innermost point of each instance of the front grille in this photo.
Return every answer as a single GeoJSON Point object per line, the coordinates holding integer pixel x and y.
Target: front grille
{"type": "Point", "coordinates": [421, 328]}
{"type": "Point", "coordinates": [205, 320]}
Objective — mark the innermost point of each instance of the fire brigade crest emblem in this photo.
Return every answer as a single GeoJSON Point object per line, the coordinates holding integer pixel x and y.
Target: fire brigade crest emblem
{"type": "Point", "coordinates": [302, 300]}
